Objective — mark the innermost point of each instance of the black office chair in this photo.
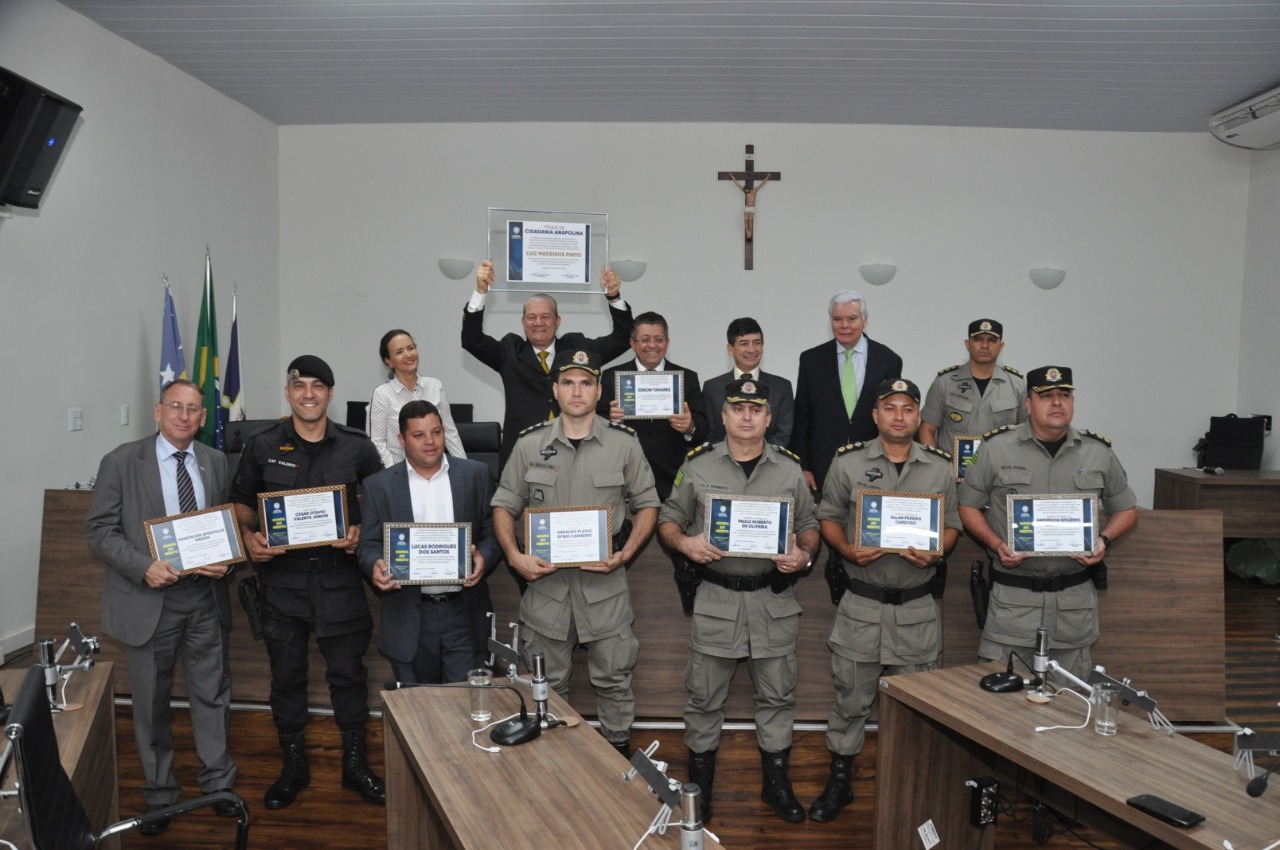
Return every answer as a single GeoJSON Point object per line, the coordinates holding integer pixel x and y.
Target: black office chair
{"type": "Point", "coordinates": [53, 812]}
{"type": "Point", "coordinates": [482, 441]}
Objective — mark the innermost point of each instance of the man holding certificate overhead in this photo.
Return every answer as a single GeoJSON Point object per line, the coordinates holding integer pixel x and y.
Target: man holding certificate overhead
{"type": "Point", "coordinates": [571, 481]}
{"type": "Point", "coordinates": [311, 583]}
{"type": "Point", "coordinates": [1043, 577]}
{"type": "Point", "coordinates": [157, 612]}
{"type": "Point", "coordinates": [743, 515]}
{"type": "Point", "coordinates": [433, 626]}
{"type": "Point", "coordinates": [889, 512]}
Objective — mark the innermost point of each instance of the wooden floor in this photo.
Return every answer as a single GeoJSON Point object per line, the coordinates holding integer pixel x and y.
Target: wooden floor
{"type": "Point", "coordinates": [328, 817]}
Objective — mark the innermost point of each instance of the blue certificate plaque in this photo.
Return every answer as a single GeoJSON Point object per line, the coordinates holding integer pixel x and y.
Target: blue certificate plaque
{"type": "Point", "coordinates": [897, 522]}
{"type": "Point", "coordinates": [1052, 525]}
{"type": "Point", "coordinates": [749, 526]}
{"type": "Point", "coordinates": [298, 519]}
{"type": "Point", "coordinates": [569, 537]}
{"type": "Point", "coordinates": [427, 553]}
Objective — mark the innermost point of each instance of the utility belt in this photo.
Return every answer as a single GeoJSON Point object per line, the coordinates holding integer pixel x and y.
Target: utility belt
{"type": "Point", "coordinates": [888, 595]}
{"type": "Point", "coordinates": [312, 561]}
{"type": "Point", "coordinates": [440, 598]}
{"type": "Point", "coordinates": [1042, 584]}
{"type": "Point", "coordinates": [746, 584]}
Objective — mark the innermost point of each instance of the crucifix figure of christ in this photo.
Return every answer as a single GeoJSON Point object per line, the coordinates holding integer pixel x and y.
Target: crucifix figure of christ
{"type": "Point", "coordinates": [747, 185]}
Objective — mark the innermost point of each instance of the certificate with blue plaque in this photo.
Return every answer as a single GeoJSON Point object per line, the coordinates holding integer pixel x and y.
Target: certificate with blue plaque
{"type": "Point", "coordinates": [427, 553]}
{"type": "Point", "coordinates": [546, 251]}
{"type": "Point", "coordinates": [569, 537]}
{"type": "Point", "coordinates": [749, 526]}
{"type": "Point", "coordinates": [1052, 525]}
{"type": "Point", "coordinates": [964, 454]}
{"type": "Point", "coordinates": [207, 538]}
{"type": "Point", "coordinates": [896, 522]}
{"type": "Point", "coordinates": [649, 395]}
{"type": "Point", "coordinates": [299, 519]}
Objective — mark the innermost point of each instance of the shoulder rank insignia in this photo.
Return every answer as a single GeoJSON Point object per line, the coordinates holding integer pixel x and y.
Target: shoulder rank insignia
{"type": "Point", "coordinates": [994, 431]}
{"type": "Point", "coordinates": [788, 453]}
{"type": "Point", "coordinates": [935, 451]}
{"type": "Point", "coordinates": [1011, 370]}
{"type": "Point", "coordinates": [622, 426]}
{"type": "Point", "coordinates": [948, 369]}
{"type": "Point", "coordinates": [697, 450]}
{"type": "Point", "coordinates": [850, 447]}
{"type": "Point", "coordinates": [1106, 441]}
{"type": "Point", "coordinates": [533, 428]}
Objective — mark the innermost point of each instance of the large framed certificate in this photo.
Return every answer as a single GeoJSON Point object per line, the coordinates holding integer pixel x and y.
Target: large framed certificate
{"type": "Point", "coordinates": [898, 521]}
{"type": "Point", "coordinates": [649, 395]}
{"type": "Point", "coordinates": [298, 519]}
{"type": "Point", "coordinates": [964, 453]}
{"type": "Point", "coordinates": [749, 526]}
{"type": "Point", "coordinates": [540, 251]}
{"type": "Point", "coordinates": [420, 553]}
{"type": "Point", "coordinates": [207, 538]}
{"type": "Point", "coordinates": [569, 537]}
{"type": "Point", "coordinates": [1051, 525]}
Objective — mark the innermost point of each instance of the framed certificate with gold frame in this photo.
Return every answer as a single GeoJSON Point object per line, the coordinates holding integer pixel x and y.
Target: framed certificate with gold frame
{"type": "Point", "coordinates": [571, 536]}
{"type": "Point", "coordinates": [427, 553]}
{"type": "Point", "coordinates": [1052, 525]}
{"type": "Point", "coordinates": [299, 519]}
{"type": "Point", "coordinates": [207, 538]}
{"type": "Point", "coordinates": [898, 521]}
{"type": "Point", "coordinates": [749, 526]}
{"type": "Point", "coordinates": [964, 454]}
{"type": "Point", "coordinates": [649, 395]}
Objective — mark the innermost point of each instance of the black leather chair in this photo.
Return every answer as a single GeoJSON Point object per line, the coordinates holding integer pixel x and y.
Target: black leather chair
{"type": "Point", "coordinates": [54, 814]}
{"type": "Point", "coordinates": [482, 441]}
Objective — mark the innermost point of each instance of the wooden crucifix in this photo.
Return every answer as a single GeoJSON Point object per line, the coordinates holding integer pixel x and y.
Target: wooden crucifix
{"type": "Point", "coordinates": [746, 183]}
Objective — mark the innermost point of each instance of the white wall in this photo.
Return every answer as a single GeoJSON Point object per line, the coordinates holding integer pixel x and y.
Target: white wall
{"type": "Point", "coordinates": [1150, 228]}
{"type": "Point", "coordinates": [158, 166]}
{"type": "Point", "coordinates": [1259, 336]}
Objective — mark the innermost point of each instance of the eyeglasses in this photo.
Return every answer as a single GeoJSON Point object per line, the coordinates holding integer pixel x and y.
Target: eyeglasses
{"type": "Point", "coordinates": [178, 407]}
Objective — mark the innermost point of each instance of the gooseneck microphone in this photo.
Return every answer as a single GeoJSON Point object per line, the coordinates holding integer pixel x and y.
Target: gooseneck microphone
{"type": "Point", "coordinates": [538, 687]}
{"type": "Point", "coordinates": [1258, 784]}
{"type": "Point", "coordinates": [518, 730]}
{"type": "Point", "coordinates": [50, 666]}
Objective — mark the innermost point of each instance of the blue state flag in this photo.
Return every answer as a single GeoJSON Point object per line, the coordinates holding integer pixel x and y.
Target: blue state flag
{"type": "Point", "coordinates": [173, 363]}
{"type": "Point", "coordinates": [232, 398]}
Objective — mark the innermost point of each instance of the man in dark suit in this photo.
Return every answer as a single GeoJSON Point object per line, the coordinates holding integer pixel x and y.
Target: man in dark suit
{"type": "Point", "coordinates": [835, 389]}
{"type": "Point", "coordinates": [746, 347]}
{"type": "Point", "coordinates": [665, 441]}
{"type": "Point", "coordinates": [431, 634]}
{"type": "Point", "coordinates": [159, 613]}
{"type": "Point", "coordinates": [524, 362]}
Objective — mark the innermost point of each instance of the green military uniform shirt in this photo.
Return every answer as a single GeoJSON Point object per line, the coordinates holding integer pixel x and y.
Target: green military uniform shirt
{"type": "Point", "coordinates": [955, 408]}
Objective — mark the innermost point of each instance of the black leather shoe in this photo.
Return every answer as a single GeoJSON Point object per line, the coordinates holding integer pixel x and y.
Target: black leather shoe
{"type": "Point", "coordinates": [155, 827]}
{"type": "Point", "coordinates": [226, 809]}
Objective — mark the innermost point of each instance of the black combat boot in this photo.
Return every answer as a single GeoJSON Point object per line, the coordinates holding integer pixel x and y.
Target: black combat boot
{"type": "Point", "coordinates": [356, 774]}
{"type": "Point", "coordinates": [294, 776]}
{"type": "Point", "coordinates": [702, 772]}
{"type": "Point", "coordinates": [777, 786]}
{"type": "Point", "coordinates": [839, 790]}
{"type": "Point", "coordinates": [623, 747]}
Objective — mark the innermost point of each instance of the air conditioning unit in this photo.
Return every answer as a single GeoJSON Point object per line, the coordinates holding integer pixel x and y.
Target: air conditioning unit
{"type": "Point", "coordinates": [1253, 124]}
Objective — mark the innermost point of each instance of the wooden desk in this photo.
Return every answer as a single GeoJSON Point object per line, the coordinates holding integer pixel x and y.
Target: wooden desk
{"type": "Point", "coordinates": [1248, 498]}
{"type": "Point", "coordinates": [939, 729]}
{"type": "Point", "coordinates": [87, 745]}
{"type": "Point", "coordinates": [562, 790]}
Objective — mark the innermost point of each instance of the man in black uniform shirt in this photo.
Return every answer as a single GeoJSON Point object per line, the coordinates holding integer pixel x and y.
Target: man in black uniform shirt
{"type": "Point", "coordinates": [319, 589]}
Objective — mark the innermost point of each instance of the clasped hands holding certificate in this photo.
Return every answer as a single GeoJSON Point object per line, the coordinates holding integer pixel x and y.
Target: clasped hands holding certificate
{"type": "Point", "coordinates": [161, 574]}
{"type": "Point", "coordinates": [532, 568]}
{"type": "Point", "coordinates": [382, 579]}
{"type": "Point", "coordinates": [260, 551]}
{"type": "Point", "coordinates": [700, 550]}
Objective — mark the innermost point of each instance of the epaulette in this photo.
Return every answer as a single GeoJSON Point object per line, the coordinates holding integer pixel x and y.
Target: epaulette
{"type": "Point", "coordinates": [1012, 371]}
{"type": "Point", "coordinates": [533, 428]}
{"type": "Point", "coordinates": [786, 451]}
{"type": "Point", "coordinates": [1002, 429]}
{"type": "Point", "coordinates": [1106, 441]}
{"type": "Point", "coordinates": [349, 429]}
{"type": "Point", "coordinates": [622, 426]}
{"type": "Point", "coordinates": [850, 447]}
{"type": "Point", "coordinates": [939, 452]}
{"type": "Point", "coordinates": [697, 450]}
{"type": "Point", "coordinates": [948, 369]}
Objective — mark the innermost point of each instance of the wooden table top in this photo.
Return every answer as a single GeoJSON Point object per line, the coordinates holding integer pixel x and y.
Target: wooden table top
{"type": "Point", "coordinates": [563, 789]}
{"type": "Point", "coordinates": [1233, 477]}
{"type": "Point", "coordinates": [1105, 771]}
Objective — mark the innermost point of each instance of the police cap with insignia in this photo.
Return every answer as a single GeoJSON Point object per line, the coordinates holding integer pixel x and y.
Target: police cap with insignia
{"type": "Point", "coordinates": [310, 366]}
{"type": "Point", "coordinates": [986, 326]}
{"type": "Point", "coordinates": [587, 361]}
{"type": "Point", "coordinates": [897, 385]}
{"type": "Point", "coordinates": [749, 391]}
{"type": "Point", "coordinates": [1049, 378]}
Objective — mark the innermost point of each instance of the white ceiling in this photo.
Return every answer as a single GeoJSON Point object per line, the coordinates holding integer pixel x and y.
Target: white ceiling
{"type": "Point", "coordinates": [1151, 65]}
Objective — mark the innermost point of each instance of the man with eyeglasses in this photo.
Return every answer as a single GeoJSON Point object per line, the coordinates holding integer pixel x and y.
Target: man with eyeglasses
{"type": "Point", "coordinates": [157, 612]}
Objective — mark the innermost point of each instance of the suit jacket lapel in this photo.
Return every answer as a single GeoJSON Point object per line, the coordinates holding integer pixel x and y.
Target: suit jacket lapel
{"type": "Point", "coordinates": [149, 466]}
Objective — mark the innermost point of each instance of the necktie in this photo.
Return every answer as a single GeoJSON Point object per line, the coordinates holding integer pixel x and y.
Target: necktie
{"type": "Point", "coordinates": [849, 383]}
{"type": "Point", "coordinates": [542, 358]}
{"type": "Point", "coordinates": [186, 490]}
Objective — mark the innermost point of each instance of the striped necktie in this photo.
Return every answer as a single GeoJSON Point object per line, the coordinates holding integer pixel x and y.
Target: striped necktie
{"type": "Point", "coordinates": [186, 490]}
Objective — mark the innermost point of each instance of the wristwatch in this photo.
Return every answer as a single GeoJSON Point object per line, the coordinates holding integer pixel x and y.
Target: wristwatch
{"type": "Point", "coordinates": [1105, 539]}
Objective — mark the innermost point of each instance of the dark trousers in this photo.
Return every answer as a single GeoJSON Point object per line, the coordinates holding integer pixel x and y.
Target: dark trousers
{"type": "Point", "coordinates": [344, 671]}
{"type": "Point", "coordinates": [445, 648]}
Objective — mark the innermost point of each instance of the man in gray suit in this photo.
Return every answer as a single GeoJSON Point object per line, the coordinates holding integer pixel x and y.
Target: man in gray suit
{"type": "Point", "coordinates": [430, 632]}
{"type": "Point", "coordinates": [159, 613]}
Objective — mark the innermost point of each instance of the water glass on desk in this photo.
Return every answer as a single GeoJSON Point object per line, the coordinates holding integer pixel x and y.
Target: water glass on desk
{"type": "Point", "coordinates": [480, 710]}
{"type": "Point", "coordinates": [1106, 706]}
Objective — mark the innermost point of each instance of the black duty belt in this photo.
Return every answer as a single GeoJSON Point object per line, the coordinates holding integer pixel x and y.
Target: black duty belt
{"type": "Point", "coordinates": [743, 583]}
{"type": "Point", "coordinates": [440, 598]}
{"type": "Point", "coordinates": [888, 595]}
{"type": "Point", "coordinates": [1041, 584]}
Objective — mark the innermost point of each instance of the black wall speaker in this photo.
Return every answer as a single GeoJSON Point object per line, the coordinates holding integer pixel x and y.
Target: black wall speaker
{"type": "Point", "coordinates": [34, 126]}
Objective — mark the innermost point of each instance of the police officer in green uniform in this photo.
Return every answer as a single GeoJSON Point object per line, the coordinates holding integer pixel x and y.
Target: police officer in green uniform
{"type": "Point", "coordinates": [745, 607]}
{"type": "Point", "coordinates": [887, 621]}
{"type": "Point", "coordinates": [975, 397]}
{"type": "Point", "coordinates": [580, 459]}
{"type": "Point", "coordinates": [1042, 456]}
{"type": "Point", "coordinates": [316, 590]}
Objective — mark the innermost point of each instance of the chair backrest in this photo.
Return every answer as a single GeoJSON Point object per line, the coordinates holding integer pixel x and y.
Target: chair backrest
{"type": "Point", "coordinates": [482, 441]}
{"type": "Point", "coordinates": [54, 815]}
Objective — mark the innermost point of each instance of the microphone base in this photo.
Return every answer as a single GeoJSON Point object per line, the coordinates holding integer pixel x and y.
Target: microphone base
{"type": "Point", "coordinates": [515, 732]}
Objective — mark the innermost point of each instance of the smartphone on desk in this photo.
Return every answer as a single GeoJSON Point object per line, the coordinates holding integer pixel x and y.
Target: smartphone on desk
{"type": "Point", "coordinates": [1164, 810]}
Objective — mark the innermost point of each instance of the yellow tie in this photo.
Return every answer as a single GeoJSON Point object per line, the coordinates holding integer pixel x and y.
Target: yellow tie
{"type": "Point", "coordinates": [542, 358]}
